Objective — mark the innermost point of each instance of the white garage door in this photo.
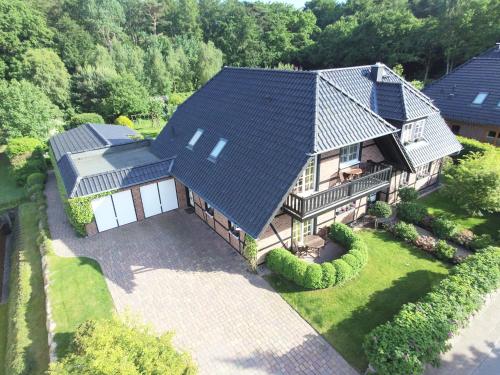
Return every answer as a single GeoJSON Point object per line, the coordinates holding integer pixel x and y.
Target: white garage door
{"type": "Point", "coordinates": [159, 197]}
{"type": "Point", "coordinates": [113, 210]}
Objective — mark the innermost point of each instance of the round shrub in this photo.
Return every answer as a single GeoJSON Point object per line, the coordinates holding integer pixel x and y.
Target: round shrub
{"type": "Point", "coordinates": [404, 231]}
{"type": "Point", "coordinates": [85, 118]}
{"type": "Point", "coordinates": [34, 189]}
{"type": "Point", "coordinates": [360, 255]}
{"type": "Point", "coordinates": [408, 194]}
{"type": "Point", "coordinates": [343, 270]}
{"type": "Point", "coordinates": [342, 234]}
{"type": "Point", "coordinates": [124, 121]}
{"type": "Point", "coordinates": [481, 242]}
{"type": "Point", "coordinates": [380, 209]}
{"type": "Point", "coordinates": [359, 244]}
{"type": "Point", "coordinates": [313, 277]}
{"type": "Point", "coordinates": [275, 259]}
{"type": "Point", "coordinates": [35, 179]}
{"type": "Point", "coordinates": [444, 251]}
{"type": "Point", "coordinates": [411, 212]}
{"type": "Point", "coordinates": [443, 228]}
{"type": "Point", "coordinates": [328, 275]}
{"type": "Point", "coordinates": [298, 271]}
{"type": "Point", "coordinates": [288, 266]}
{"type": "Point", "coordinates": [353, 261]}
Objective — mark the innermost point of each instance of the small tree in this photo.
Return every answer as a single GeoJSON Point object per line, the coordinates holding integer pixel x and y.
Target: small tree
{"type": "Point", "coordinates": [124, 121]}
{"type": "Point", "coordinates": [381, 210]}
{"type": "Point", "coordinates": [251, 252]}
{"type": "Point", "coordinates": [408, 194]}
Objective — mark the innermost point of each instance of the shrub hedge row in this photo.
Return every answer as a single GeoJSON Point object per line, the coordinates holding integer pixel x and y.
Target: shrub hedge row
{"type": "Point", "coordinates": [419, 333]}
{"type": "Point", "coordinates": [25, 157]}
{"type": "Point", "coordinates": [325, 275]}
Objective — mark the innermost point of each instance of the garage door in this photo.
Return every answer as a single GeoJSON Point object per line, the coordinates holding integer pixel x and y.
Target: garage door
{"type": "Point", "coordinates": [159, 197]}
{"type": "Point", "coordinates": [114, 210]}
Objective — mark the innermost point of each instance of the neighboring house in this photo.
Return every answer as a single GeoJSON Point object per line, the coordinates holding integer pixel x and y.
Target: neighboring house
{"type": "Point", "coordinates": [469, 97]}
{"type": "Point", "coordinates": [273, 154]}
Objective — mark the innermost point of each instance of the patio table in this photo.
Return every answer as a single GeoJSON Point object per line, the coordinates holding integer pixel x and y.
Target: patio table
{"type": "Point", "coordinates": [314, 242]}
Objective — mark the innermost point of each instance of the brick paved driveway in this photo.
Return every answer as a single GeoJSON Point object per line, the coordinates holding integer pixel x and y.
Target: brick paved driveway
{"type": "Point", "coordinates": [179, 275]}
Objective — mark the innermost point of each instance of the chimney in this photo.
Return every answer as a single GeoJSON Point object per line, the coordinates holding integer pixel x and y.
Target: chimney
{"type": "Point", "coordinates": [378, 72]}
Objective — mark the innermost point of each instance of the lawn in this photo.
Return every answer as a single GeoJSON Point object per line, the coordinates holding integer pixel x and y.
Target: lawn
{"type": "Point", "coordinates": [147, 128]}
{"type": "Point", "coordinates": [436, 204]}
{"type": "Point", "coordinates": [10, 193]}
{"type": "Point", "coordinates": [78, 293]}
{"type": "Point", "coordinates": [396, 273]}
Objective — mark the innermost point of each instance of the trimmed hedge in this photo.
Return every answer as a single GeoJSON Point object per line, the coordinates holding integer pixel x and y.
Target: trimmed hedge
{"type": "Point", "coordinates": [444, 228]}
{"type": "Point", "coordinates": [408, 194]}
{"type": "Point", "coordinates": [419, 333]}
{"type": "Point", "coordinates": [444, 251]}
{"type": "Point", "coordinates": [411, 212]}
{"type": "Point", "coordinates": [316, 276]}
{"type": "Point", "coordinates": [471, 145]}
{"type": "Point", "coordinates": [405, 232]}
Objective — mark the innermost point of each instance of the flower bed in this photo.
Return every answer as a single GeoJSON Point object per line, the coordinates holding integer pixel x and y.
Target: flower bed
{"type": "Point", "coordinates": [325, 275]}
{"type": "Point", "coordinates": [419, 333]}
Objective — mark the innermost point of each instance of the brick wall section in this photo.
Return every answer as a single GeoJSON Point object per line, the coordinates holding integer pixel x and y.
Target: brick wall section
{"type": "Point", "coordinates": [136, 197]}
{"type": "Point", "coordinates": [181, 194]}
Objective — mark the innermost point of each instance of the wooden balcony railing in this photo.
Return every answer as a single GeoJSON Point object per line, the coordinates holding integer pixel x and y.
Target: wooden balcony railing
{"type": "Point", "coordinates": [378, 176]}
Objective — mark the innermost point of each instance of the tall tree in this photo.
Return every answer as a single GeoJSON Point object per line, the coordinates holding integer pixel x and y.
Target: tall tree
{"type": "Point", "coordinates": [209, 62]}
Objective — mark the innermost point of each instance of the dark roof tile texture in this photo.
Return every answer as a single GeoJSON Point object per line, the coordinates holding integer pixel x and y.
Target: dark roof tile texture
{"type": "Point", "coordinates": [455, 92]}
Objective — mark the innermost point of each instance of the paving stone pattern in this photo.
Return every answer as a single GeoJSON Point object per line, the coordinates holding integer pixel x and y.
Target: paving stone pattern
{"type": "Point", "coordinates": [177, 274]}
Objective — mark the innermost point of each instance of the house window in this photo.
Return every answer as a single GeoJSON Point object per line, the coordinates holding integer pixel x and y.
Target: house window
{"type": "Point", "coordinates": [412, 131]}
{"type": "Point", "coordinates": [217, 149]}
{"type": "Point", "coordinates": [196, 136]}
{"type": "Point", "coordinates": [346, 208]}
{"type": "Point", "coordinates": [209, 209]}
{"type": "Point", "coordinates": [307, 179]}
{"type": "Point", "coordinates": [405, 178]}
{"type": "Point", "coordinates": [423, 171]}
{"type": "Point", "coordinates": [480, 98]}
{"type": "Point", "coordinates": [234, 229]}
{"type": "Point", "coordinates": [490, 137]}
{"type": "Point", "coordinates": [301, 229]}
{"type": "Point", "coordinates": [455, 129]}
{"type": "Point", "coordinates": [349, 155]}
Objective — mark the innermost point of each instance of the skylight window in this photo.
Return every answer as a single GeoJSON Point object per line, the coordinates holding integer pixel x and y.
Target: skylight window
{"type": "Point", "coordinates": [196, 136]}
{"type": "Point", "coordinates": [480, 98]}
{"type": "Point", "coordinates": [217, 149]}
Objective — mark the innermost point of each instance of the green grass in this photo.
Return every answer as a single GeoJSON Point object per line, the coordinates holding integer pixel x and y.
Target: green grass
{"type": "Point", "coordinates": [147, 128]}
{"type": "Point", "coordinates": [3, 335]}
{"type": "Point", "coordinates": [396, 273]}
{"type": "Point", "coordinates": [27, 349]}
{"type": "Point", "coordinates": [78, 292]}
{"type": "Point", "coordinates": [437, 204]}
{"type": "Point", "coordinates": [10, 193]}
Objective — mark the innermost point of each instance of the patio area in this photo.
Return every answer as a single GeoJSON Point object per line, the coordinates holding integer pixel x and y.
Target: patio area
{"type": "Point", "coordinates": [327, 253]}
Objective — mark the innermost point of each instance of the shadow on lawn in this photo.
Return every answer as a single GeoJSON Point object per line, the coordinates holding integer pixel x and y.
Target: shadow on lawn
{"type": "Point", "coordinates": [348, 335]}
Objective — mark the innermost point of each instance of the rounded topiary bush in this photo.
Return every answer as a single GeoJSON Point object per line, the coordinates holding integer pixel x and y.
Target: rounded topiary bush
{"type": "Point", "coordinates": [85, 118]}
{"type": "Point", "coordinates": [408, 194]}
{"type": "Point", "coordinates": [411, 212]}
{"type": "Point", "coordinates": [444, 251]}
{"type": "Point", "coordinates": [380, 210]}
{"type": "Point", "coordinates": [343, 270]}
{"type": "Point", "coordinates": [124, 121]}
{"type": "Point", "coordinates": [34, 189]}
{"type": "Point", "coordinates": [362, 256]}
{"type": "Point", "coordinates": [313, 277]}
{"type": "Point", "coordinates": [298, 271]}
{"type": "Point", "coordinates": [444, 228]}
{"type": "Point", "coordinates": [275, 259]}
{"type": "Point", "coordinates": [342, 234]}
{"type": "Point", "coordinates": [35, 179]}
{"type": "Point", "coordinates": [328, 275]}
{"type": "Point", "coordinates": [404, 231]}
{"type": "Point", "coordinates": [354, 262]}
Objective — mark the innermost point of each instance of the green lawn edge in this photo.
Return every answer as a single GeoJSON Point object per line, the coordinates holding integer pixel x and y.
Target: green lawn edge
{"type": "Point", "coordinates": [396, 273]}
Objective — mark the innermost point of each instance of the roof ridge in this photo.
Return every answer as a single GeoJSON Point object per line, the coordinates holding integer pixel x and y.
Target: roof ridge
{"type": "Point", "coordinates": [340, 68]}
{"type": "Point", "coordinates": [357, 102]}
{"type": "Point", "coordinates": [403, 98]}
{"type": "Point", "coordinates": [257, 69]}
{"type": "Point", "coordinates": [315, 115]}
{"type": "Point", "coordinates": [90, 126]}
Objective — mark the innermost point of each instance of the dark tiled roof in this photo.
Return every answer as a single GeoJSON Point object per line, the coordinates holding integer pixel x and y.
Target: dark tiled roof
{"type": "Point", "coordinates": [390, 100]}
{"type": "Point", "coordinates": [90, 137]}
{"type": "Point", "coordinates": [454, 92]}
{"type": "Point", "coordinates": [438, 141]}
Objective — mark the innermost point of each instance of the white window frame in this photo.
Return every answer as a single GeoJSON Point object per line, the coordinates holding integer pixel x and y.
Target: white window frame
{"type": "Point", "coordinates": [349, 155]}
{"type": "Point", "coordinates": [306, 183]}
{"type": "Point", "coordinates": [480, 98]}
{"type": "Point", "coordinates": [404, 180]}
{"type": "Point", "coordinates": [302, 229]}
{"type": "Point", "coordinates": [412, 131]}
{"type": "Point", "coordinates": [423, 171]}
{"type": "Point", "coordinates": [194, 139]}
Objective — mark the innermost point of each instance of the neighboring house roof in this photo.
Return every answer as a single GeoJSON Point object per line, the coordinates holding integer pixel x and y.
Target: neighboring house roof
{"type": "Point", "coordinates": [97, 158]}
{"type": "Point", "coordinates": [455, 92]}
{"type": "Point", "coordinates": [90, 137]}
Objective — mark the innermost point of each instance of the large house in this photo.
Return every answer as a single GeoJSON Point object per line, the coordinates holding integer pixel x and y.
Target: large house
{"type": "Point", "coordinates": [273, 154]}
{"type": "Point", "coordinates": [469, 97]}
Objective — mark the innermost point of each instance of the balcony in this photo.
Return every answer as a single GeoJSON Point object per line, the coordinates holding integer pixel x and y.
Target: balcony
{"type": "Point", "coordinates": [374, 179]}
